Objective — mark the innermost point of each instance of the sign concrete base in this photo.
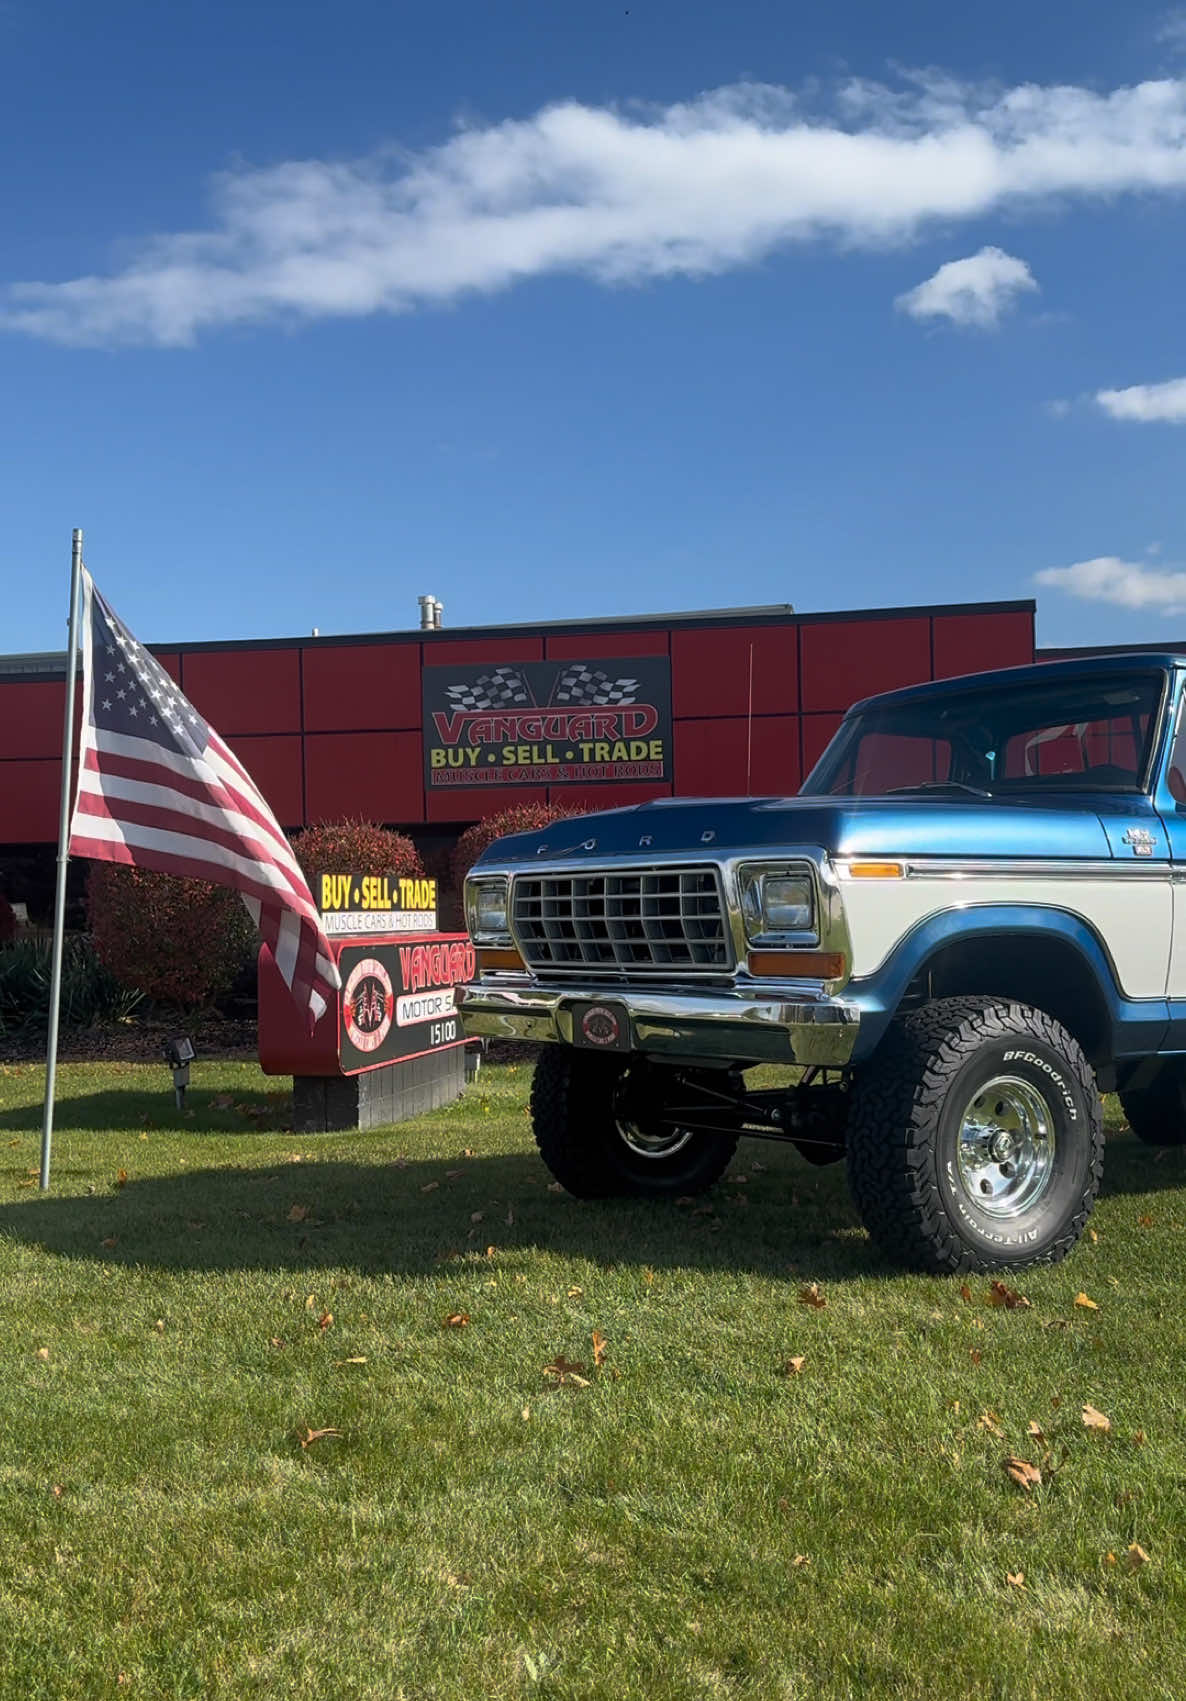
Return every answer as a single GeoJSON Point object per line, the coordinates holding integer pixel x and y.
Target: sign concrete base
{"type": "Point", "coordinates": [324, 1104]}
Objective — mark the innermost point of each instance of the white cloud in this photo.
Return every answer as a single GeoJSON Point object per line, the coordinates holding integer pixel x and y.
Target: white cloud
{"type": "Point", "coordinates": [1171, 31]}
{"type": "Point", "coordinates": [1162, 403]}
{"type": "Point", "coordinates": [619, 197]}
{"type": "Point", "coordinates": [975, 291]}
{"type": "Point", "coordinates": [1127, 584]}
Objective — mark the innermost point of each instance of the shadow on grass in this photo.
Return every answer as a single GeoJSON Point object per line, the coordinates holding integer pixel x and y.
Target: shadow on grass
{"type": "Point", "coordinates": [413, 1217]}
{"type": "Point", "coordinates": [119, 1109]}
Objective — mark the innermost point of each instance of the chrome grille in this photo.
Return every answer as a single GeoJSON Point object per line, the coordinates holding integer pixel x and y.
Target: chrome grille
{"type": "Point", "coordinates": [670, 918]}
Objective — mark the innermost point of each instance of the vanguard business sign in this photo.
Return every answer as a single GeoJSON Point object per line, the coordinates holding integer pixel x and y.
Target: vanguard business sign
{"type": "Point", "coordinates": [548, 723]}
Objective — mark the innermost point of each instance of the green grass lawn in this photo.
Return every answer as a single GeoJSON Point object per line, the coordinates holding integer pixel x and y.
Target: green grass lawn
{"type": "Point", "coordinates": [686, 1519]}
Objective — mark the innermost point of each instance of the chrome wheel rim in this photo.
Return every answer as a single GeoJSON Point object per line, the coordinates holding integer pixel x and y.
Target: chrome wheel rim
{"type": "Point", "coordinates": [664, 1144]}
{"type": "Point", "coordinates": [1006, 1147]}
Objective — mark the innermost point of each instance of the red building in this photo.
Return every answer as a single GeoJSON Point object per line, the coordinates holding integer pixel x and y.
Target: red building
{"type": "Point", "coordinates": [738, 700]}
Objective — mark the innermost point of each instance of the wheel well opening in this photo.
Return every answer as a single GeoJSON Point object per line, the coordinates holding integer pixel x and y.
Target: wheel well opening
{"type": "Point", "coordinates": [1047, 973]}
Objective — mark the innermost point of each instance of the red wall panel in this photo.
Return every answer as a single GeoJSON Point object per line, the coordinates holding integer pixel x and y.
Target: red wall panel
{"type": "Point", "coordinates": [470, 652]}
{"type": "Point", "coordinates": [361, 685]}
{"type": "Point", "coordinates": [711, 669]}
{"type": "Point", "coordinates": [31, 718]}
{"type": "Point", "coordinates": [274, 763]}
{"type": "Point", "coordinates": [245, 690]}
{"type": "Point", "coordinates": [969, 643]}
{"type": "Point", "coordinates": [589, 799]}
{"type": "Point", "coordinates": [373, 774]}
{"type": "Point", "coordinates": [849, 659]}
{"type": "Point", "coordinates": [171, 662]}
{"type": "Point", "coordinates": [473, 803]}
{"type": "Point", "coordinates": [29, 801]}
{"type": "Point", "coordinates": [817, 735]}
{"type": "Point", "coordinates": [607, 644]}
{"type": "Point", "coordinates": [712, 756]}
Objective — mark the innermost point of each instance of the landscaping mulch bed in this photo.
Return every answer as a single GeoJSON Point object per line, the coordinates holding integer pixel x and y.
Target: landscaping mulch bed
{"type": "Point", "coordinates": [136, 1041]}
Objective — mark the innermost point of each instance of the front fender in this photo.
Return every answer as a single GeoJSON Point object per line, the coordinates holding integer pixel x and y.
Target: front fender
{"type": "Point", "coordinates": [1136, 1026]}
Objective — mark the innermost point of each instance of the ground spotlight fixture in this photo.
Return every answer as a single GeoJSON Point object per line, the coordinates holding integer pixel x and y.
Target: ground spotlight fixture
{"type": "Point", "coordinates": [179, 1054]}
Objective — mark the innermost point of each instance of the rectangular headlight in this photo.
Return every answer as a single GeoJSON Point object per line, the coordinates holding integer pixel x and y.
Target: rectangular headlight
{"type": "Point", "coordinates": [486, 910]}
{"type": "Point", "coordinates": [777, 903]}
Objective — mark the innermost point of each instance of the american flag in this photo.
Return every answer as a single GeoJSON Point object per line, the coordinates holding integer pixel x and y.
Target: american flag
{"type": "Point", "coordinates": [158, 788]}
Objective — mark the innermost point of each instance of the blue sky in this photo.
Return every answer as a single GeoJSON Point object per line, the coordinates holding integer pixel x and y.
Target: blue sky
{"type": "Point", "coordinates": [568, 308]}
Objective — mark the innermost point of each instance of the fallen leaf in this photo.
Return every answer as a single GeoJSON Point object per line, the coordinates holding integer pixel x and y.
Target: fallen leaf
{"type": "Point", "coordinates": [555, 1187]}
{"type": "Point", "coordinates": [452, 1174]}
{"type": "Point", "coordinates": [121, 1178]}
{"type": "Point", "coordinates": [794, 1366]}
{"type": "Point", "coordinates": [355, 1358]}
{"type": "Point", "coordinates": [1015, 1579]}
{"type": "Point", "coordinates": [221, 1101]}
{"type": "Point", "coordinates": [1146, 1221]}
{"type": "Point", "coordinates": [801, 1559]}
{"type": "Point", "coordinates": [159, 1325]}
{"type": "Point", "coordinates": [312, 1435]}
{"type": "Point", "coordinates": [57, 1491]}
{"type": "Point", "coordinates": [975, 1355]}
{"type": "Point", "coordinates": [456, 1320]}
{"type": "Point", "coordinates": [430, 1186]}
{"type": "Point", "coordinates": [965, 1293]}
{"type": "Point", "coordinates": [325, 1321]}
{"type": "Point", "coordinates": [1093, 1419]}
{"type": "Point", "coordinates": [1139, 1438]}
{"type": "Point", "coordinates": [298, 1213]}
{"type": "Point", "coordinates": [1088, 1304]}
{"type": "Point", "coordinates": [111, 1240]}
{"type": "Point", "coordinates": [1035, 1429]}
{"type": "Point", "coordinates": [1136, 1556]}
{"type": "Point", "coordinates": [1027, 1476]}
{"type": "Point", "coordinates": [810, 1295]}
{"type": "Point", "coordinates": [476, 1216]}
{"type": "Point", "coordinates": [277, 1341]}
{"type": "Point", "coordinates": [526, 1413]}
{"type": "Point", "coordinates": [1109, 1559]}
{"type": "Point", "coordinates": [42, 1352]}
{"type": "Point", "coordinates": [600, 1346]}
{"type": "Point", "coordinates": [1093, 1236]}
{"type": "Point", "coordinates": [988, 1420]}
{"type": "Point", "coordinates": [999, 1294]}
{"type": "Point", "coordinates": [566, 1372]}
{"type": "Point", "coordinates": [576, 1293]}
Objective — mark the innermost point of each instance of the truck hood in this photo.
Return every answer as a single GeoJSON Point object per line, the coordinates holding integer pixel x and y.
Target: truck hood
{"type": "Point", "coordinates": [875, 826]}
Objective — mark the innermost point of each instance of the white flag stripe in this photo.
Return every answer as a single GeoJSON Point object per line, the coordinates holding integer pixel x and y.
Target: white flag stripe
{"type": "Point", "coordinates": [206, 769]}
{"type": "Point", "coordinates": [109, 786]}
{"type": "Point", "coordinates": [189, 849]}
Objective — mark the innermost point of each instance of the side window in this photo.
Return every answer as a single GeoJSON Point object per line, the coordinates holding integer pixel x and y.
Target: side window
{"type": "Point", "coordinates": [1176, 773]}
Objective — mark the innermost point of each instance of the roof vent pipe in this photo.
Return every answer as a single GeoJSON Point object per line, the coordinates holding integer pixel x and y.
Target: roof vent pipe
{"type": "Point", "coordinates": [430, 613]}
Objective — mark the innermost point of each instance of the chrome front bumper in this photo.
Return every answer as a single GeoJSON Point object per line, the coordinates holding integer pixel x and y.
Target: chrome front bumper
{"type": "Point", "coordinates": [771, 1024]}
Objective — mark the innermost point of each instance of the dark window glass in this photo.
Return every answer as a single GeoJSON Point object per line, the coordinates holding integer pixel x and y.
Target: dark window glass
{"type": "Point", "coordinates": [1084, 734]}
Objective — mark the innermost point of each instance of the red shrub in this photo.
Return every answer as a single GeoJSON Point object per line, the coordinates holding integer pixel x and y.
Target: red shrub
{"type": "Point", "coordinates": [523, 818]}
{"type": "Point", "coordinates": [354, 847]}
{"type": "Point", "coordinates": [181, 941]}
{"type": "Point", "coordinates": [7, 922]}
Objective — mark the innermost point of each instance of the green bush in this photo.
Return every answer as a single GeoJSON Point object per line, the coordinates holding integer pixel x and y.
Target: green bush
{"type": "Point", "coordinates": [90, 992]}
{"type": "Point", "coordinates": [183, 942]}
{"type": "Point", "coordinates": [521, 818]}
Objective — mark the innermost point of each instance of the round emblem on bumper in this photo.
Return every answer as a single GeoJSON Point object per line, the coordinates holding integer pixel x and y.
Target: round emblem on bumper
{"type": "Point", "coordinates": [600, 1025]}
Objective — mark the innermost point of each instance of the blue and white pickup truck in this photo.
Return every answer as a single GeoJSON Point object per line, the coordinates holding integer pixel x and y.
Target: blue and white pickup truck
{"type": "Point", "coordinates": [970, 920]}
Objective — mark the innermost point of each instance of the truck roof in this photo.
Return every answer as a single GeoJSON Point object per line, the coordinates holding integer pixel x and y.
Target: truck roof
{"type": "Point", "coordinates": [1034, 673]}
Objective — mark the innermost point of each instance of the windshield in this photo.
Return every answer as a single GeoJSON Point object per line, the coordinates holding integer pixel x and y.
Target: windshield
{"type": "Point", "coordinates": [1065, 735]}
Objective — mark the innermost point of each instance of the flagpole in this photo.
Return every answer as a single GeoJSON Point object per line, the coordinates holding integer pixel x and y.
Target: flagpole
{"type": "Point", "coordinates": [55, 984]}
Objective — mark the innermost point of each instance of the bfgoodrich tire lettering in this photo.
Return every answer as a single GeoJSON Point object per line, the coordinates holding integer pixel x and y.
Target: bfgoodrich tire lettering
{"type": "Point", "coordinates": [596, 1151]}
{"type": "Point", "coordinates": [915, 1107]}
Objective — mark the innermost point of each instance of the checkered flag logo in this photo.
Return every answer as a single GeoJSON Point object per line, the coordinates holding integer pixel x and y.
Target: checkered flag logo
{"type": "Point", "coordinates": [503, 688]}
{"type": "Point", "coordinates": [588, 687]}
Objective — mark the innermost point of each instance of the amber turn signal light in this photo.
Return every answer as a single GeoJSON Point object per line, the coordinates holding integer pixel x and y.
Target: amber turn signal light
{"type": "Point", "coordinates": [495, 957]}
{"type": "Point", "coordinates": [875, 871]}
{"type": "Point", "coordinates": [798, 965]}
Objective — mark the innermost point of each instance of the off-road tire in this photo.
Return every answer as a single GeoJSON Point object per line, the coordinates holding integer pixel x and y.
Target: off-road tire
{"type": "Point", "coordinates": [574, 1102]}
{"type": "Point", "coordinates": [1156, 1112]}
{"type": "Point", "coordinates": [903, 1136]}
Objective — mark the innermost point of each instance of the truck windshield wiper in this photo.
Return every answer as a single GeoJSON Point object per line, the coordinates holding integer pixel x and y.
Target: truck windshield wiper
{"type": "Point", "coordinates": [940, 785]}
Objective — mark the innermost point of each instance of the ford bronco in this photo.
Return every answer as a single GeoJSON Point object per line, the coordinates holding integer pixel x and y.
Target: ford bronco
{"type": "Point", "coordinates": [969, 922]}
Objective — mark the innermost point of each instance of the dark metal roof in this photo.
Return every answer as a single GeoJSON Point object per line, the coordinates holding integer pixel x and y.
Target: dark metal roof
{"type": "Point", "coordinates": [50, 664]}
